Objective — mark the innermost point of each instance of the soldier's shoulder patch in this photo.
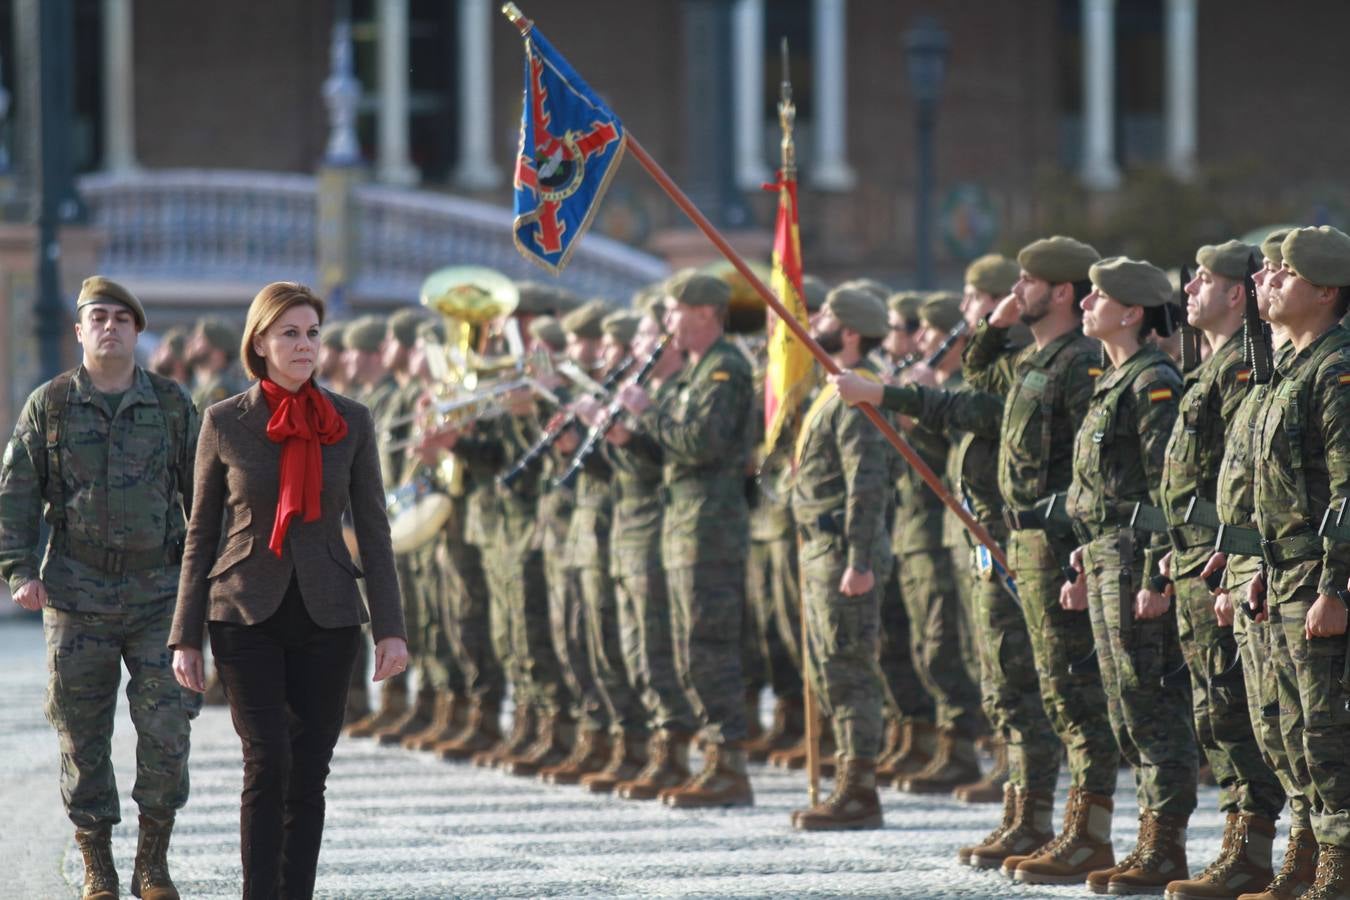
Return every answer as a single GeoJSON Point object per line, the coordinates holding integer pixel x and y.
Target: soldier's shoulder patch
{"type": "Point", "coordinates": [1095, 371]}
{"type": "Point", "coordinates": [1244, 375]}
{"type": "Point", "coordinates": [1343, 378]}
{"type": "Point", "coordinates": [1160, 395]}
{"type": "Point", "coordinates": [720, 375]}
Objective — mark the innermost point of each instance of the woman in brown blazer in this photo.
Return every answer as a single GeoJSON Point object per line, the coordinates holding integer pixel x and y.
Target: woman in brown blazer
{"type": "Point", "coordinates": [266, 572]}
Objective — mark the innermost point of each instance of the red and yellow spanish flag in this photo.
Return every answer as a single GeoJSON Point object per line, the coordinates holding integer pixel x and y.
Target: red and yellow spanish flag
{"type": "Point", "coordinates": [788, 373]}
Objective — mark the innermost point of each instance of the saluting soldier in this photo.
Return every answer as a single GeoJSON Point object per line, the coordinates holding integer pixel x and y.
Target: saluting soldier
{"type": "Point", "coordinates": [1303, 468]}
{"type": "Point", "coordinates": [105, 454]}
{"type": "Point", "coordinates": [704, 432]}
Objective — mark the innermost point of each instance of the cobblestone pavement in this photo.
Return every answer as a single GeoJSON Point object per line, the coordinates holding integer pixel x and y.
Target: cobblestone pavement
{"type": "Point", "coordinates": [403, 825]}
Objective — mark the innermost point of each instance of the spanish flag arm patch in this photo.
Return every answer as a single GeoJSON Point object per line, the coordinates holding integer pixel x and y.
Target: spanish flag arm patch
{"type": "Point", "coordinates": [720, 375]}
{"type": "Point", "coordinates": [1095, 371]}
{"type": "Point", "coordinates": [1160, 395]}
{"type": "Point", "coordinates": [1244, 376]}
{"type": "Point", "coordinates": [1343, 378]}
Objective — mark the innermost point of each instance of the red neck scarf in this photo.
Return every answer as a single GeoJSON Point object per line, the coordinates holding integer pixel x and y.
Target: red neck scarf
{"type": "Point", "coordinates": [300, 423]}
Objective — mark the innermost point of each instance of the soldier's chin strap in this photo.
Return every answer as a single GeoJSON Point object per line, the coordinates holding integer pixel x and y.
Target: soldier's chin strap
{"type": "Point", "coordinates": [1255, 333]}
{"type": "Point", "coordinates": [1190, 335]}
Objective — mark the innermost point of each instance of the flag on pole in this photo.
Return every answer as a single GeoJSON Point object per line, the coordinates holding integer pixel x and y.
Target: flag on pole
{"type": "Point", "coordinates": [788, 373]}
{"type": "Point", "coordinates": [570, 146]}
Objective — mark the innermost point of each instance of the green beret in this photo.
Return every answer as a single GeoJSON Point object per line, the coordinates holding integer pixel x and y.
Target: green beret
{"type": "Point", "coordinates": [431, 331]}
{"type": "Point", "coordinates": [97, 289]}
{"type": "Point", "coordinates": [403, 325]}
{"type": "Point", "coordinates": [585, 321]}
{"type": "Point", "coordinates": [175, 340]}
{"type": "Point", "coordinates": [942, 310]}
{"type": "Point", "coordinates": [1229, 259]}
{"type": "Point", "coordinates": [858, 309]}
{"type": "Point", "coordinates": [365, 334]}
{"type": "Point", "coordinates": [547, 329]}
{"type": "Point", "coordinates": [1270, 247]}
{"type": "Point", "coordinates": [621, 325]}
{"type": "Point", "coordinates": [1319, 255]}
{"type": "Point", "coordinates": [537, 299]}
{"type": "Point", "coordinates": [1132, 282]}
{"type": "Point", "coordinates": [1057, 259]}
{"type": "Point", "coordinates": [871, 285]}
{"type": "Point", "coordinates": [220, 335]}
{"type": "Point", "coordinates": [697, 289]}
{"type": "Point", "coordinates": [906, 304]}
{"type": "Point", "coordinates": [993, 274]}
{"type": "Point", "coordinates": [813, 292]}
{"type": "Point", "coordinates": [332, 335]}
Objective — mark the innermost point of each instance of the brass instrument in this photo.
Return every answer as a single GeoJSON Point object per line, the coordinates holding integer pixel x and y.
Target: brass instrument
{"type": "Point", "coordinates": [464, 409]}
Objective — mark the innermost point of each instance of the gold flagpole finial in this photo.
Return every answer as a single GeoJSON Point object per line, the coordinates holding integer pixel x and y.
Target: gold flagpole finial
{"type": "Point", "coordinates": [787, 117]}
{"type": "Point", "coordinates": [512, 12]}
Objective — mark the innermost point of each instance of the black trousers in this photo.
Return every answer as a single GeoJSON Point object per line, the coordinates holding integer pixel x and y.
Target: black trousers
{"type": "Point", "coordinates": [286, 681]}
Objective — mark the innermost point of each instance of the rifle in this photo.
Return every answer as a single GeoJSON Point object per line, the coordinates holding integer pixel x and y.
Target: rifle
{"type": "Point", "coordinates": [597, 432]}
{"type": "Point", "coordinates": [1190, 335]}
{"type": "Point", "coordinates": [550, 437]}
{"type": "Point", "coordinates": [1255, 333]}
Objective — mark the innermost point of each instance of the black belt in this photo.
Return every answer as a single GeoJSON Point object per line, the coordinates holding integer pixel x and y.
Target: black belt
{"type": "Point", "coordinates": [112, 561]}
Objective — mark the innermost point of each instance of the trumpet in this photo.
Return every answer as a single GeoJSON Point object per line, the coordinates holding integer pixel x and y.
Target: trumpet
{"type": "Point", "coordinates": [465, 410]}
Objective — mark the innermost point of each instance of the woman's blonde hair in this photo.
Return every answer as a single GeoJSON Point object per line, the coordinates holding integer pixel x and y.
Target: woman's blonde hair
{"type": "Point", "coordinates": [271, 304]}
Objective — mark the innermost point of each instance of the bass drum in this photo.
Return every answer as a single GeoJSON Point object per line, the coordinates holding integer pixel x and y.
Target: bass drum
{"type": "Point", "coordinates": [417, 513]}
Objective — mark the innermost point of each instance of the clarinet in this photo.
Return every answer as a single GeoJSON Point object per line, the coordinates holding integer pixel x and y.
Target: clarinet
{"type": "Point", "coordinates": [894, 369]}
{"type": "Point", "coordinates": [550, 437]}
{"type": "Point", "coordinates": [947, 343]}
{"type": "Point", "coordinates": [597, 433]}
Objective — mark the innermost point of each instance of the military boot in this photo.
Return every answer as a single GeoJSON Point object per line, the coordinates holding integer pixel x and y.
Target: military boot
{"type": "Point", "coordinates": [100, 874]}
{"type": "Point", "coordinates": [524, 723]}
{"type": "Point", "coordinates": [785, 731]}
{"type": "Point", "coordinates": [1243, 865]}
{"type": "Point", "coordinates": [1010, 864]}
{"type": "Point", "coordinates": [1297, 873]}
{"type": "Point", "coordinates": [1030, 830]}
{"type": "Point", "coordinates": [393, 706]}
{"type": "Point", "coordinates": [552, 744]}
{"type": "Point", "coordinates": [150, 878]}
{"type": "Point", "coordinates": [627, 757]}
{"type": "Point", "coordinates": [722, 783]}
{"type": "Point", "coordinates": [667, 767]}
{"type": "Point", "coordinates": [953, 764]}
{"type": "Point", "coordinates": [1333, 874]}
{"type": "Point", "coordinates": [854, 805]}
{"type": "Point", "coordinates": [589, 754]}
{"type": "Point", "coordinates": [448, 715]}
{"type": "Point", "coordinates": [1009, 813]}
{"type": "Point", "coordinates": [988, 789]}
{"type": "Point", "coordinates": [482, 732]}
{"type": "Point", "coordinates": [918, 744]}
{"type": "Point", "coordinates": [414, 720]}
{"type": "Point", "coordinates": [793, 756]}
{"type": "Point", "coordinates": [1083, 848]}
{"type": "Point", "coordinates": [1160, 860]}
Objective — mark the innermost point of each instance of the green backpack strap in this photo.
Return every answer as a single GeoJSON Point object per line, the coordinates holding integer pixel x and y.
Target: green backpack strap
{"type": "Point", "coordinates": [53, 483]}
{"type": "Point", "coordinates": [173, 404]}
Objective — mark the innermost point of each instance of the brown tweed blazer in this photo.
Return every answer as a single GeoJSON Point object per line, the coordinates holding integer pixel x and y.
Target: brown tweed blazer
{"type": "Point", "coordinates": [236, 578]}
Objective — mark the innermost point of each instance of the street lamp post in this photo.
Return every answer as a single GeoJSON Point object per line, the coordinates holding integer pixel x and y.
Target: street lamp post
{"type": "Point", "coordinates": [926, 59]}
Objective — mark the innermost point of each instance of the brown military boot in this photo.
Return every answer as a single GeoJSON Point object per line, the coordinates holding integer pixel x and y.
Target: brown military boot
{"type": "Point", "coordinates": [1160, 860]}
{"type": "Point", "coordinates": [1333, 874]}
{"type": "Point", "coordinates": [953, 764]}
{"type": "Point", "coordinates": [1010, 864]}
{"type": "Point", "coordinates": [150, 877]}
{"type": "Point", "coordinates": [628, 756]}
{"type": "Point", "coordinates": [785, 731]}
{"type": "Point", "coordinates": [1299, 871]}
{"type": "Point", "coordinates": [393, 706]}
{"type": "Point", "coordinates": [448, 715]}
{"type": "Point", "coordinates": [589, 754]}
{"type": "Point", "coordinates": [524, 724]}
{"type": "Point", "coordinates": [1031, 829]}
{"type": "Point", "coordinates": [482, 733]}
{"type": "Point", "coordinates": [988, 789]}
{"type": "Point", "coordinates": [414, 720]}
{"type": "Point", "coordinates": [100, 874]}
{"type": "Point", "coordinates": [552, 744]}
{"type": "Point", "coordinates": [918, 744]}
{"type": "Point", "coordinates": [793, 756]}
{"type": "Point", "coordinates": [1243, 864]}
{"type": "Point", "coordinates": [854, 805]}
{"type": "Point", "coordinates": [722, 783]}
{"type": "Point", "coordinates": [1009, 813]}
{"type": "Point", "coordinates": [667, 767]}
{"type": "Point", "coordinates": [1084, 847]}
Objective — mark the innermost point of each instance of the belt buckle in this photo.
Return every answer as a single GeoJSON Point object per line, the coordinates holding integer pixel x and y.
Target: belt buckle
{"type": "Point", "coordinates": [114, 562]}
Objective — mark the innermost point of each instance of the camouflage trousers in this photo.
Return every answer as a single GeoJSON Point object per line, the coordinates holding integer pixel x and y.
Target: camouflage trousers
{"type": "Point", "coordinates": [844, 635]}
{"type": "Point", "coordinates": [905, 697]}
{"type": "Point", "coordinates": [1319, 707]}
{"type": "Point", "coordinates": [605, 653]}
{"type": "Point", "coordinates": [1151, 721]}
{"type": "Point", "coordinates": [649, 648]}
{"type": "Point", "coordinates": [1073, 700]}
{"type": "Point", "coordinates": [520, 628]}
{"type": "Point", "coordinates": [1009, 688]}
{"type": "Point", "coordinates": [424, 595]}
{"type": "Point", "coordinates": [771, 586]}
{"type": "Point", "coordinates": [707, 606]}
{"type": "Point", "coordinates": [570, 630]}
{"type": "Point", "coordinates": [928, 588]}
{"type": "Point", "coordinates": [1223, 726]}
{"type": "Point", "coordinates": [465, 623]}
{"type": "Point", "coordinates": [85, 654]}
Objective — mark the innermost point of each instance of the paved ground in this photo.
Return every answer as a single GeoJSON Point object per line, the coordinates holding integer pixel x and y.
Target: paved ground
{"type": "Point", "coordinates": [402, 825]}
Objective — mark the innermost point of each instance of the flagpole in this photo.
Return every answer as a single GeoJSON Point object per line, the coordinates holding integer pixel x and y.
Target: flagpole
{"type": "Point", "coordinates": [710, 231]}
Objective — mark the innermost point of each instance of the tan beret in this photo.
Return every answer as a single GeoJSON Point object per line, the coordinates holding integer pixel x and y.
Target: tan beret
{"type": "Point", "coordinates": [431, 331]}
{"type": "Point", "coordinates": [858, 310]}
{"type": "Point", "coordinates": [993, 274]}
{"type": "Point", "coordinates": [1270, 247]}
{"type": "Point", "coordinates": [622, 325]}
{"type": "Point", "coordinates": [365, 334]}
{"type": "Point", "coordinates": [1132, 282]}
{"type": "Point", "coordinates": [942, 310]}
{"type": "Point", "coordinates": [906, 304]}
{"type": "Point", "coordinates": [871, 285]}
{"type": "Point", "coordinates": [547, 329]}
{"type": "Point", "coordinates": [1229, 259]}
{"type": "Point", "coordinates": [97, 289]}
{"type": "Point", "coordinates": [1319, 255]}
{"type": "Point", "coordinates": [697, 289]}
{"type": "Point", "coordinates": [220, 335]}
{"type": "Point", "coordinates": [536, 299]}
{"type": "Point", "coordinates": [813, 292]}
{"type": "Point", "coordinates": [1058, 259]}
{"type": "Point", "coordinates": [403, 325]}
{"type": "Point", "coordinates": [585, 321]}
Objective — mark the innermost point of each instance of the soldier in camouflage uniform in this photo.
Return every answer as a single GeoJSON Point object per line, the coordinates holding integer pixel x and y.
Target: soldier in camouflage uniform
{"type": "Point", "coordinates": [1251, 796]}
{"type": "Point", "coordinates": [213, 354]}
{"type": "Point", "coordinates": [170, 356]}
{"type": "Point", "coordinates": [332, 368]}
{"type": "Point", "coordinates": [1048, 385]}
{"type": "Point", "coordinates": [1302, 447]}
{"type": "Point", "coordinates": [105, 454]}
{"type": "Point", "coordinates": [704, 432]}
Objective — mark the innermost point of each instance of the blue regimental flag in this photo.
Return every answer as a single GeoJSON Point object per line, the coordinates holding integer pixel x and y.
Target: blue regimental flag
{"type": "Point", "coordinates": [570, 147]}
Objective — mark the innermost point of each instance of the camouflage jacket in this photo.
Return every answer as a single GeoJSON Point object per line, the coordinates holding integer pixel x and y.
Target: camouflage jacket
{"type": "Point", "coordinates": [126, 487]}
{"type": "Point", "coordinates": [1302, 451]}
{"type": "Point", "coordinates": [704, 431]}
{"type": "Point", "coordinates": [635, 538]}
{"type": "Point", "coordinates": [225, 383]}
{"type": "Point", "coordinates": [503, 519]}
